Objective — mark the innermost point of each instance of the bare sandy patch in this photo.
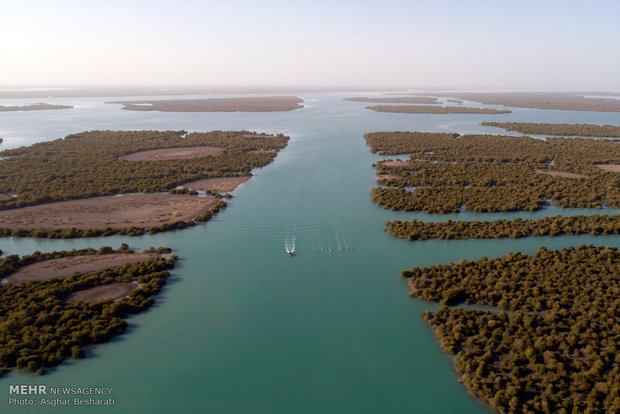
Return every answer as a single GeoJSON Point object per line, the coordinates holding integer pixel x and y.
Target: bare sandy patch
{"type": "Point", "coordinates": [5, 196]}
{"type": "Point", "coordinates": [65, 266]}
{"type": "Point", "coordinates": [396, 163]}
{"type": "Point", "coordinates": [387, 177]}
{"type": "Point", "coordinates": [173, 153]}
{"type": "Point", "coordinates": [256, 136]}
{"type": "Point", "coordinates": [111, 291]}
{"type": "Point", "coordinates": [220, 185]}
{"type": "Point", "coordinates": [119, 212]}
{"type": "Point", "coordinates": [561, 174]}
{"type": "Point", "coordinates": [608, 167]}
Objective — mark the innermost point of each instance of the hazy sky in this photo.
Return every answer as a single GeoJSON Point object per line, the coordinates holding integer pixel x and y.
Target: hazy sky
{"type": "Point", "coordinates": [547, 45]}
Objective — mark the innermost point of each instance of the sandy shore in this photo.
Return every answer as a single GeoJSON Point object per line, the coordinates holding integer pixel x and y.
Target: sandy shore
{"type": "Point", "coordinates": [609, 167]}
{"type": "Point", "coordinates": [110, 291]}
{"type": "Point", "coordinates": [256, 136]}
{"type": "Point", "coordinates": [173, 153]}
{"type": "Point", "coordinates": [387, 177]}
{"type": "Point", "coordinates": [396, 163]}
{"type": "Point", "coordinates": [560, 174]}
{"type": "Point", "coordinates": [140, 210]}
{"type": "Point", "coordinates": [220, 185]}
{"type": "Point", "coordinates": [65, 266]}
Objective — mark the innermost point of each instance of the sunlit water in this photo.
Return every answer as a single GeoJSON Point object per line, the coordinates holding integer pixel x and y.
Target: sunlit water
{"type": "Point", "coordinates": [243, 328]}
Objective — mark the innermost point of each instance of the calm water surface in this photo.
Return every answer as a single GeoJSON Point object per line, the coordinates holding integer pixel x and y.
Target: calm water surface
{"type": "Point", "coordinates": [242, 327]}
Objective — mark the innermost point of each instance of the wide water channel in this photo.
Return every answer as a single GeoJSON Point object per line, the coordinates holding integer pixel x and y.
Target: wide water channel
{"type": "Point", "coordinates": [243, 328]}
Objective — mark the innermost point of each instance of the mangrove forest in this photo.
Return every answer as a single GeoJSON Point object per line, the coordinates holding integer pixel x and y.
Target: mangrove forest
{"type": "Point", "coordinates": [39, 328]}
{"type": "Point", "coordinates": [595, 225]}
{"type": "Point", "coordinates": [552, 347]}
{"type": "Point", "coordinates": [447, 173]}
{"type": "Point", "coordinates": [90, 164]}
{"type": "Point", "coordinates": [581, 130]}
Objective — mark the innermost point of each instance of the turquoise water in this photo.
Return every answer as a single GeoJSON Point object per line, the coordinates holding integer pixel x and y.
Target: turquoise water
{"type": "Point", "coordinates": [242, 327]}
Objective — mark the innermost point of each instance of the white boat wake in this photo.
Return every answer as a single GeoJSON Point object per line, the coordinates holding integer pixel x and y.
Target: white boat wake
{"type": "Point", "coordinates": [289, 246]}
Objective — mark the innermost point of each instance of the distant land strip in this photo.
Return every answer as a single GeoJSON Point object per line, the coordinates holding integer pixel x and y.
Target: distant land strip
{"type": "Point", "coordinates": [581, 130]}
{"type": "Point", "coordinates": [423, 109]}
{"type": "Point", "coordinates": [254, 104]}
{"type": "Point", "coordinates": [401, 99]}
{"type": "Point", "coordinates": [564, 101]}
{"type": "Point", "coordinates": [32, 107]}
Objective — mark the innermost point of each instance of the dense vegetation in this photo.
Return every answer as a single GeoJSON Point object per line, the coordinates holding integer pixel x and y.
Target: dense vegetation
{"type": "Point", "coordinates": [400, 142]}
{"type": "Point", "coordinates": [423, 109]}
{"type": "Point", "coordinates": [555, 350]}
{"type": "Point", "coordinates": [39, 329]}
{"type": "Point", "coordinates": [582, 130]}
{"type": "Point", "coordinates": [88, 164]}
{"type": "Point", "coordinates": [491, 173]}
{"type": "Point", "coordinates": [74, 232]}
{"type": "Point", "coordinates": [541, 100]}
{"type": "Point", "coordinates": [400, 99]}
{"type": "Point", "coordinates": [32, 107]}
{"type": "Point", "coordinates": [546, 226]}
{"type": "Point", "coordinates": [183, 191]}
{"type": "Point", "coordinates": [255, 104]}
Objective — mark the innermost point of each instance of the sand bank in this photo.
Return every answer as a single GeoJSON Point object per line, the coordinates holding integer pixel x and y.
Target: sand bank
{"type": "Point", "coordinates": [65, 266]}
{"type": "Point", "coordinates": [387, 177]}
{"type": "Point", "coordinates": [173, 153]}
{"type": "Point", "coordinates": [109, 291]}
{"type": "Point", "coordinates": [609, 167]}
{"type": "Point", "coordinates": [396, 163]}
{"type": "Point", "coordinates": [561, 174]}
{"type": "Point", "coordinates": [139, 210]}
{"type": "Point", "coordinates": [220, 185]}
